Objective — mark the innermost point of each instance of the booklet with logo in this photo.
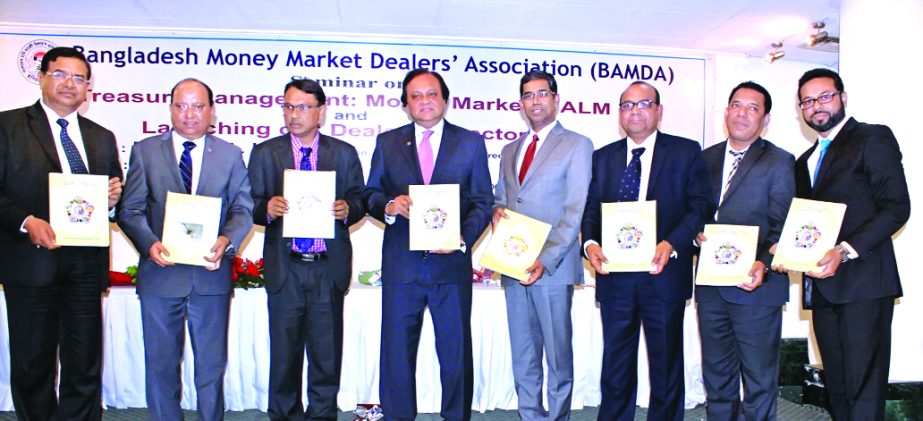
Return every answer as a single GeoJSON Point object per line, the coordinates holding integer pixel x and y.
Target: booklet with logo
{"type": "Point", "coordinates": [515, 244]}
{"type": "Point", "coordinates": [435, 223]}
{"type": "Point", "coordinates": [727, 255]}
{"type": "Point", "coordinates": [810, 231]}
{"type": "Point", "coordinates": [78, 209]}
{"type": "Point", "coordinates": [629, 235]}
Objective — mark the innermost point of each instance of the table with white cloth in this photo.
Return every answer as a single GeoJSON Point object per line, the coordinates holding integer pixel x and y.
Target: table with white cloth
{"type": "Point", "coordinates": [247, 376]}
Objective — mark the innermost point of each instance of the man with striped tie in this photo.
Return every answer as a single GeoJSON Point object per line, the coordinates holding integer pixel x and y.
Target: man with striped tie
{"type": "Point", "coordinates": [53, 293]}
{"type": "Point", "coordinates": [306, 278]}
{"type": "Point", "coordinates": [185, 160]}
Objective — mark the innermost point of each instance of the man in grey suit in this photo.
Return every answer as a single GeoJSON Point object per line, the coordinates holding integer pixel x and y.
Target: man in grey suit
{"type": "Point", "coordinates": [544, 175]}
{"type": "Point", "coordinates": [185, 160]}
{"type": "Point", "coordinates": [753, 182]}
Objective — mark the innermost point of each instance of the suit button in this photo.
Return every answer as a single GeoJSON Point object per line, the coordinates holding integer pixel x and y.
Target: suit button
{"type": "Point", "coordinates": [518, 200]}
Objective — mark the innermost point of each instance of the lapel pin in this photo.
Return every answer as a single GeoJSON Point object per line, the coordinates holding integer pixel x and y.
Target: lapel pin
{"type": "Point", "coordinates": [408, 143]}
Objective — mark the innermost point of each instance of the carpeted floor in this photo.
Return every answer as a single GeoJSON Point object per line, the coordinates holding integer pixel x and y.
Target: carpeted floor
{"type": "Point", "coordinates": [788, 411]}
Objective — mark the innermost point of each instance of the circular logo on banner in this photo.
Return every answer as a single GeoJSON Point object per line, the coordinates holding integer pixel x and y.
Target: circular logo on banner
{"type": "Point", "coordinates": [30, 58]}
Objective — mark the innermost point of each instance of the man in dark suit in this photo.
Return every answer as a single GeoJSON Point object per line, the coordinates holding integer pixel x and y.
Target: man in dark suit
{"type": "Point", "coordinates": [428, 151]}
{"type": "Point", "coordinates": [170, 292]}
{"type": "Point", "coordinates": [753, 182]}
{"type": "Point", "coordinates": [306, 279]}
{"type": "Point", "coordinates": [854, 287]}
{"type": "Point", "coordinates": [52, 292]}
{"type": "Point", "coordinates": [670, 170]}
{"type": "Point", "coordinates": [544, 175]}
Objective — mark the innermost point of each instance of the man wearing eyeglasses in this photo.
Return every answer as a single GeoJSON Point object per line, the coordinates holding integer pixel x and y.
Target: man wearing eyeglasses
{"type": "Point", "coordinates": [853, 290]}
{"type": "Point", "coordinates": [544, 175]}
{"type": "Point", "coordinates": [53, 293]}
{"type": "Point", "coordinates": [647, 165]}
{"type": "Point", "coordinates": [753, 182]}
{"type": "Point", "coordinates": [185, 160]}
{"type": "Point", "coordinates": [306, 278]}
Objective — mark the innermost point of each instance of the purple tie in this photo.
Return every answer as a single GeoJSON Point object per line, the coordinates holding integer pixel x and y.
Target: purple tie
{"type": "Point", "coordinates": [425, 153]}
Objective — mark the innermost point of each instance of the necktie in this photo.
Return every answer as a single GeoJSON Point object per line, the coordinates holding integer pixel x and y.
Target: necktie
{"type": "Point", "coordinates": [185, 165]}
{"type": "Point", "coordinates": [527, 160]}
{"type": "Point", "coordinates": [308, 245]}
{"type": "Point", "coordinates": [425, 153]}
{"type": "Point", "coordinates": [70, 151]}
{"type": "Point", "coordinates": [824, 144]}
{"type": "Point", "coordinates": [631, 178]}
{"type": "Point", "coordinates": [738, 156]}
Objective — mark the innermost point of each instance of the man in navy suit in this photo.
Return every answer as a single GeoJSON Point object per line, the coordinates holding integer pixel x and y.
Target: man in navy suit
{"type": "Point", "coordinates": [171, 293]}
{"type": "Point", "coordinates": [52, 292]}
{"type": "Point", "coordinates": [753, 182]}
{"type": "Point", "coordinates": [306, 281]}
{"type": "Point", "coordinates": [428, 151]}
{"type": "Point", "coordinates": [672, 172]}
{"type": "Point", "coordinates": [853, 290]}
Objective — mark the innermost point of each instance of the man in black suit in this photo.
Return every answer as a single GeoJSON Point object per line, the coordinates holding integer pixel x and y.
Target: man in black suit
{"type": "Point", "coordinates": [853, 290]}
{"type": "Point", "coordinates": [52, 292]}
{"type": "Point", "coordinates": [650, 165]}
{"type": "Point", "coordinates": [306, 279]}
{"type": "Point", "coordinates": [753, 182]}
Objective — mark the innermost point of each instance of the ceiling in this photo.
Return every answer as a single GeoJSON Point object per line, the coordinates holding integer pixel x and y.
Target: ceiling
{"type": "Point", "coordinates": [727, 26]}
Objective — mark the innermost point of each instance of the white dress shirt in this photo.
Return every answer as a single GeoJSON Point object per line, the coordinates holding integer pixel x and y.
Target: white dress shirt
{"type": "Point", "coordinates": [196, 154]}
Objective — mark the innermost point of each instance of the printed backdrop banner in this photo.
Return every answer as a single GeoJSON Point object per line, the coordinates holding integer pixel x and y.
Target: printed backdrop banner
{"type": "Point", "coordinates": [134, 73]}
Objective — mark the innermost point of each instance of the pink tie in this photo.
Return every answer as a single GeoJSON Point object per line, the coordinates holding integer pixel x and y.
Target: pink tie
{"type": "Point", "coordinates": [425, 153]}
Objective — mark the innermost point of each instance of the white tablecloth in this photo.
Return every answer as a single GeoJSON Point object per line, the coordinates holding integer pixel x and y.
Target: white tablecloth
{"type": "Point", "coordinates": [248, 366]}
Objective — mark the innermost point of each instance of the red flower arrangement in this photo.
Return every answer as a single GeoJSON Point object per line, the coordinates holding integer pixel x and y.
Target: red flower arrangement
{"type": "Point", "coordinates": [247, 274]}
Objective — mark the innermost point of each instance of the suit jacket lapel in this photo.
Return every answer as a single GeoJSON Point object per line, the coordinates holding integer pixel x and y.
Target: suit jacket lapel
{"type": "Point", "coordinates": [90, 145]}
{"type": "Point", "coordinates": [325, 161]}
{"type": "Point", "coordinates": [548, 145]}
{"type": "Point", "coordinates": [408, 146]}
{"type": "Point", "coordinates": [170, 162]}
{"type": "Point", "coordinates": [447, 149]}
{"type": "Point", "coordinates": [282, 153]}
{"type": "Point", "coordinates": [661, 151]}
{"type": "Point", "coordinates": [41, 129]}
{"type": "Point", "coordinates": [716, 173]}
{"type": "Point", "coordinates": [837, 147]}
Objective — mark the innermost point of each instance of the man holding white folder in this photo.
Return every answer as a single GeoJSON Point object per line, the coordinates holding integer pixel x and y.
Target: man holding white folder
{"type": "Point", "coordinates": [306, 278]}
{"type": "Point", "coordinates": [646, 165]}
{"type": "Point", "coordinates": [185, 160]}
{"type": "Point", "coordinates": [753, 182]}
{"type": "Point", "coordinates": [52, 292]}
{"type": "Point", "coordinates": [544, 175]}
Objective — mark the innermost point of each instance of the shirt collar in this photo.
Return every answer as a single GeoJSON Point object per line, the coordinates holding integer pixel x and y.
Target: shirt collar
{"type": "Point", "coordinates": [53, 116]}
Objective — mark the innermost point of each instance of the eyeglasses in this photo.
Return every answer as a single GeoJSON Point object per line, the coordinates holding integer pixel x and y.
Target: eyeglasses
{"type": "Point", "coordinates": [61, 76]}
{"type": "Point", "coordinates": [822, 98]}
{"type": "Point", "coordinates": [198, 108]}
{"type": "Point", "coordinates": [642, 105]}
{"type": "Point", "coordinates": [734, 106]}
{"type": "Point", "coordinates": [544, 93]}
{"type": "Point", "coordinates": [300, 107]}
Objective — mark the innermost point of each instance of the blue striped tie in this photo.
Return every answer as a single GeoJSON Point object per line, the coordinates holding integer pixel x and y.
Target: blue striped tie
{"type": "Point", "coordinates": [70, 150]}
{"type": "Point", "coordinates": [308, 245]}
{"type": "Point", "coordinates": [185, 166]}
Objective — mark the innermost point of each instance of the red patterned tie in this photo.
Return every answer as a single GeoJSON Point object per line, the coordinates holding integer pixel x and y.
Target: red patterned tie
{"type": "Point", "coordinates": [527, 160]}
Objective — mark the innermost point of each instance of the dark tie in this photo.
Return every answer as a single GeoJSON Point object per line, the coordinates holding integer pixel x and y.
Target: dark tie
{"type": "Point", "coordinates": [185, 165]}
{"type": "Point", "coordinates": [631, 179]}
{"type": "Point", "coordinates": [70, 150]}
{"type": "Point", "coordinates": [824, 144]}
{"type": "Point", "coordinates": [308, 245]}
{"type": "Point", "coordinates": [738, 156]}
{"type": "Point", "coordinates": [527, 160]}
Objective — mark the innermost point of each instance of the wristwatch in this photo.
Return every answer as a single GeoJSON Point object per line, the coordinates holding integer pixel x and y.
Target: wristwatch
{"type": "Point", "coordinates": [844, 254]}
{"type": "Point", "coordinates": [230, 250]}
